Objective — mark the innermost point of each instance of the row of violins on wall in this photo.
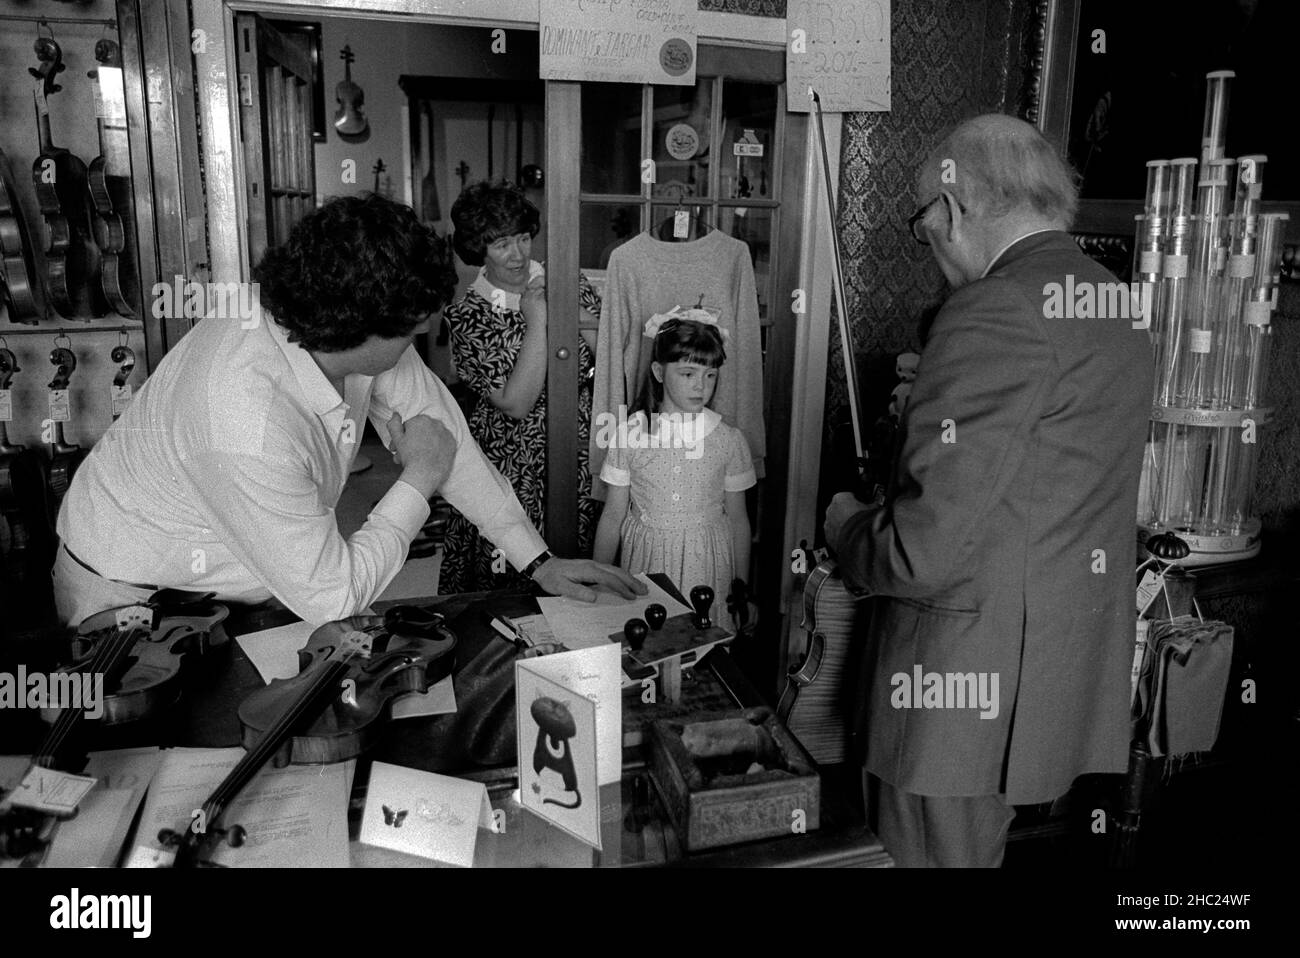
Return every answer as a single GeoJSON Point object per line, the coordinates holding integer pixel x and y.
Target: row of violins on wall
{"type": "Point", "coordinates": [85, 210]}
{"type": "Point", "coordinates": [32, 486]}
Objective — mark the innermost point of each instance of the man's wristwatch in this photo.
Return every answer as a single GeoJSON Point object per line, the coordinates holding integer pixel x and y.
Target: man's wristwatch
{"type": "Point", "coordinates": [536, 564]}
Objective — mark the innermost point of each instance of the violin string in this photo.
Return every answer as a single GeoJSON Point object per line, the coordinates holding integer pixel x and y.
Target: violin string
{"type": "Point", "coordinates": [63, 724]}
{"type": "Point", "coordinates": [108, 653]}
{"type": "Point", "coordinates": [268, 742]}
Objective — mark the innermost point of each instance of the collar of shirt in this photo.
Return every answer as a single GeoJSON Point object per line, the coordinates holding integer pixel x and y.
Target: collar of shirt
{"type": "Point", "coordinates": [668, 427]}
{"type": "Point", "coordinates": [487, 289]}
{"type": "Point", "coordinates": [997, 256]}
{"type": "Point", "coordinates": [316, 387]}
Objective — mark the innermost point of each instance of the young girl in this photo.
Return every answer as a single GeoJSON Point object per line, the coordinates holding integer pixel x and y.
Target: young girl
{"type": "Point", "coordinates": [677, 475]}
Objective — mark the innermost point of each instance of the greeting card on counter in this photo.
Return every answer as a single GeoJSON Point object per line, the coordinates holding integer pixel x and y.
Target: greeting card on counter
{"type": "Point", "coordinates": [570, 729]}
{"type": "Point", "coordinates": [422, 813]}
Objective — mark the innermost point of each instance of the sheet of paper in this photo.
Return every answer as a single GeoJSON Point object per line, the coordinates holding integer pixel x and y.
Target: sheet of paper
{"type": "Point", "coordinates": [96, 836]}
{"type": "Point", "coordinates": [557, 752]}
{"type": "Point", "coordinates": [422, 813]}
{"type": "Point", "coordinates": [294, 816]}
{"type": "Point", "coordinates": [274, 653]}
{"type": "Point", "coordinates": [439, 700]}
{"type": "Point", "coordinates": [585, 625]}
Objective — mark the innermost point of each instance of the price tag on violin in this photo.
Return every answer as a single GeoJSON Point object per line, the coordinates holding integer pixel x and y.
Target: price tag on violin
{"type": "Point", "coordinates": [6, 406]}
{"type": "Point", "coordinates": [60, 405]}
{"type": "Point", "coordinates": [1147, 590]}
{"type": "Point", "coordinates": [47, 790]}
{"type": "Point", "coordinates": [121, 396]}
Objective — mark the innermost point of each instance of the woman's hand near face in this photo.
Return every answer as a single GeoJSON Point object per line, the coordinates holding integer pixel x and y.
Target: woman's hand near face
{"type": "Point", "coordinates": [532, 301]}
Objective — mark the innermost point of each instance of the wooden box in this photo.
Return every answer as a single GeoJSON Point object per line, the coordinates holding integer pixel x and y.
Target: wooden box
{"type": "Point", "coordinates": [710, 810]}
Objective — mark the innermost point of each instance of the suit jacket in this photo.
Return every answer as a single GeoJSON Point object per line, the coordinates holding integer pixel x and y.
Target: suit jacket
{"type": "Point", "coordinates": [1009, 546]}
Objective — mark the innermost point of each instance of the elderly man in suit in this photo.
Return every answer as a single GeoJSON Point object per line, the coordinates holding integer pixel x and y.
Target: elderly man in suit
{"type": "Point", "coordinates": [997, 666]}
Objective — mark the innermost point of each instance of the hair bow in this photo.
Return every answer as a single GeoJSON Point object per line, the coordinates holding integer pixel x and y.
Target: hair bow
{"type": "Point", "coordinates": [707, 315]}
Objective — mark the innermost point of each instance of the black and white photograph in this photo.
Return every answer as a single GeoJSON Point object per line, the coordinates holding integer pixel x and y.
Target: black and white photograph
{"type": "Point", "coordinates": [904, 393]}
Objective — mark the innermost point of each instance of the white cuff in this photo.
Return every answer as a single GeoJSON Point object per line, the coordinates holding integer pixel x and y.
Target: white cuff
{"type": "Point", "coordinates": [404, 507]}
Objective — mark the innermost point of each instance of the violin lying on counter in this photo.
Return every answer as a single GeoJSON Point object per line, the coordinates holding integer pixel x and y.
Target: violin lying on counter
{"type": "Point", "coordinates": [350, 673]}
{"type": "Point", "coordinates": [140, 650]}
{"type": "Point", "coordinates": [185, 627]}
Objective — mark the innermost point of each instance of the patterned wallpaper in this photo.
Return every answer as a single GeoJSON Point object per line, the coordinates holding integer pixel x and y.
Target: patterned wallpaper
{"type": "Point", "coordinates": [950, 61]}
{"type": "Point", "coordinates": [754, 8]}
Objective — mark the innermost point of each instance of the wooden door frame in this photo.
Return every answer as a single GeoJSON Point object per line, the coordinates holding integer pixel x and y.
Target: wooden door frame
{"type": "Point", "coordinates": [217, 88]}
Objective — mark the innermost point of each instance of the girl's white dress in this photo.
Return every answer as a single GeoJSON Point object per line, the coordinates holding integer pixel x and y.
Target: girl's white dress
{"type": "Point", "coordinates": [678, 473]}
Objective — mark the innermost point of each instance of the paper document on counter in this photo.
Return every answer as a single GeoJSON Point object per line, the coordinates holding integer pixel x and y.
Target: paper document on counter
{"type": "Point", "coordinates": [294, 817]}
{"type": "Point", "coordinates": [585, 625]}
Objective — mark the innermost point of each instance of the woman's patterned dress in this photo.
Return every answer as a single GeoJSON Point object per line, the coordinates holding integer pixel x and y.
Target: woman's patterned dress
{"type": "Point", "coordinates": [486, 343]}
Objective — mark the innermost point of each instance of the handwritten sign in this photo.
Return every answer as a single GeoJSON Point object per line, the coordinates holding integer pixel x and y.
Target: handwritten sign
{"type": "Point", "coordinates": [841, 49]}
{"type": "Point", "coordinates": [618, 41]}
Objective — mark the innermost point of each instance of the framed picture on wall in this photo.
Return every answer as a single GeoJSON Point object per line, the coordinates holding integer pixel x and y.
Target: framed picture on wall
{"type": "Point", "coordinates": [308, 37]}
{"type": "Point", "coordinates": [1121, 83]}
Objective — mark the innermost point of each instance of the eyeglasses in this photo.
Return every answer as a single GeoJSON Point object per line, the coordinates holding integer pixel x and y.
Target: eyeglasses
{"type": "Point", "coordinates": [916, 217]}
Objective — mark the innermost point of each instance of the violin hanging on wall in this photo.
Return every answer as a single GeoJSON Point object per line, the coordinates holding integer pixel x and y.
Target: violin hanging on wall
{"type": "Point", "coordinates": [62, 191]}
{"type": "Point", "coordinates": [349, 120]}
{"type": "Point", "coordinates": [19, 281]}
{"type": "Point", "coordinates": [109, 229]}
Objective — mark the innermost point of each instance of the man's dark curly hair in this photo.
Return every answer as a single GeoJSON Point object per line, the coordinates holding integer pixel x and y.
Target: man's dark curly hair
{"type": "Point", "coordinates": [485, 212]}
{"type": "Point", "coordinates": [355, 267]}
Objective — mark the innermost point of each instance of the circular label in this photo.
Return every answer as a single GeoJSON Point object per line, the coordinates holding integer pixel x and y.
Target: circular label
{"type": "Point", "coordinates": [675, 56]}
{"type": "Point", "coordinates": [682, 141]}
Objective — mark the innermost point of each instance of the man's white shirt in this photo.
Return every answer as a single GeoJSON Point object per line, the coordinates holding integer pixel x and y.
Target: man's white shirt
{"type": "Point", "coordinates": [224, 472]}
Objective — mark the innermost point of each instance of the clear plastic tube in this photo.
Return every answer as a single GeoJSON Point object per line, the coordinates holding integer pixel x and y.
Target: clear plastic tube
{"type": "Point", "coordinates": [1217, 88]}
{"type": "Point", "coordinates": [1228, 358]}
{"type": "Point", "coordinates": [1177, 245]}
{"type": "Point", "coordinates": [1209, 260]}
{"type": "Point", "coordinates": [1259, 306]}
{"type": "Point", "coordinates": [1223, 457]}
{"type": "Point", "coordinates": [1186, 449]}
{"type": "Point", "coordinates": [1149, 245]}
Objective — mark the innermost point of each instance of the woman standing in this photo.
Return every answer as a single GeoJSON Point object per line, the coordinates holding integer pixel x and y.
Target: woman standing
{"type": "Point", "coordinates": [498, 338]}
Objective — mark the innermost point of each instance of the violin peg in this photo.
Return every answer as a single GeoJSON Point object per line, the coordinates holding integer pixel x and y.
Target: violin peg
{"type": "Point", "coordinates": [635, 630]}
{"type": "Point", "coordinates": [656, 615]}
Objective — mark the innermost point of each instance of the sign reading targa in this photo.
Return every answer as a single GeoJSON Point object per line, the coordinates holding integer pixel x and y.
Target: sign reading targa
{"type": "Point", "coordinates": [618, 41]}
{"type": "Point", "coordinates": [840, 48]}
